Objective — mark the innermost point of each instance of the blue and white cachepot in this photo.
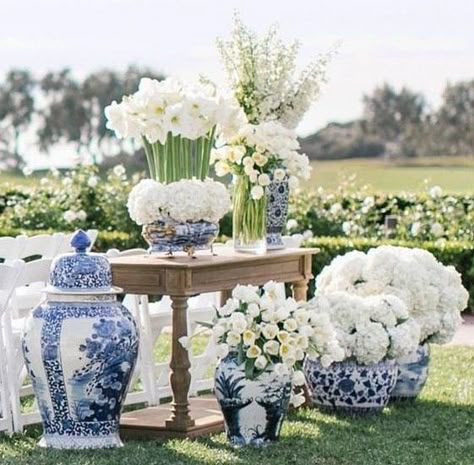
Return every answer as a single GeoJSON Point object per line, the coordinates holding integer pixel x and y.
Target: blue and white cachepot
{"type": "Point", "coordinates": [80, 348]}
{"type": "Point", "coordinates": [412, 374]}
{"type": "Point", "coordinates": [253, 410]}
{"type": "Point", "coordinates": [168, 236]}
{"type": "Point", "coordinates": [277, 212]}
{"type": "Point", "coordinates": [350, 388]}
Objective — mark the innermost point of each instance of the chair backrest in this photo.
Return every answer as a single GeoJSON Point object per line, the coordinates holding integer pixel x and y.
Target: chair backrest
{"type": "Point", "coordinates": [65, 246]}
{"type": "Point", "coordinates": [40, 246]}
{"type": "Point", "coordinates": [10, 248]}
{"type": "Point", "coordinates": [36, 271]}
{"type": "Point", "coordinates": [10, 275]}
{"type": "Point", "coordinates": [111, 253]}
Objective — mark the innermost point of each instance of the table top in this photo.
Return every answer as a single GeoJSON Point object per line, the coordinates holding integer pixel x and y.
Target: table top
{"type": "Point", "coordinates": [204, 259]}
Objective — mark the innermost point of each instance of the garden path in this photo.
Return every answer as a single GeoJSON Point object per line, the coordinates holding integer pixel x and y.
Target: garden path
{"type": "Point", "coordinates": [465, 335]}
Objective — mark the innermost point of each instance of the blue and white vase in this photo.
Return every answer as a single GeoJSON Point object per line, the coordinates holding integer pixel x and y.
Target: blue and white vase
{"type": "Point", "coordinates": [168, 236]}
{"type": "Point", "coordinates": [80, 347]}
{"type": "Point", "coordinates": [350, 388]}
{"type": "Point", "coordinates": [253, 410]}
{"type": "Point", "coordinates": [277, 212]}
{"type": "Point", "coordinates": [412, 374]}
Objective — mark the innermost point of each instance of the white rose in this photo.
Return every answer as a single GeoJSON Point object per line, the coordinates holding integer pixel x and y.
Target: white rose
{"type": "Point", "coordinates": [279, 174]}
{"type": "Point", "coordinates": [253, 310]}
{"type": "Point", "coordinates": [270, 331]}
{"type": "Point", "coordinates": [261, 362]}
{"type": "Point", "coordinates": [257, 192]}
{"type": "Point", "coordinates": [293, 182]}
{"type": "Point", "coordinates": [290, 325]}
{"type": "Point", "coordinates": [249, 337]}
{"type": "Point", "coordinates": [233, 339]}
{"type": "Point", "coordinates": [271, 347]}
{"type": "Point", "coordinates": [264, 180]}
{"type": "Point", "coordinates": [222, 350]}
{"type": "Point", "coordinates": [69, 216]}
{"type": "Point", "coordinates": [253, 351]}
{"type": "Point", "coordinates": [298, 378]}
{"type": "Point", "coordinates": [93, 181]}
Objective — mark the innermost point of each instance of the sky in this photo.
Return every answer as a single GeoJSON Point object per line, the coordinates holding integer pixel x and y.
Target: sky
{"type": "Point", "coordinates": [422, 44]}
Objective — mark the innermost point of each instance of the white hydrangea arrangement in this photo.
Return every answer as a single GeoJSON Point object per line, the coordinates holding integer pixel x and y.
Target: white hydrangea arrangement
{"type": "Point", "coordinates": [259, 151]}
{"type": "Point", "coordinates": [369, 329]}
{"type": "Point", "coordinates": [263, 77]}
{"type": "Point", "coordinates": [433, 293]}
{"type": "Point", "coordinates": [186, 200]}
{"type": "Point", "coordinates": [264, 329]}
{"type": "Point", "coordinates": [177, 124]}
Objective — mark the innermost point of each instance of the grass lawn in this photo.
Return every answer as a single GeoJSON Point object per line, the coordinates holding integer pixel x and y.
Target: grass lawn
{"type": "Point", "coordinates": [438, 429]}
{"type": "Point", "coordinates": [453, 174]}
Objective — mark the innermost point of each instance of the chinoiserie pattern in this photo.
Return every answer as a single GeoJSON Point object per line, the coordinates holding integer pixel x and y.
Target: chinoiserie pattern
{"type": "Point", "coordinates": [277, 212]}
{"type": "Point", "coordinates": [412, 375]}
{"type": "Point", "coordinates": [86, 372]}
{"type": "Point", "coordinates": [171, 236]}
{"type": "Point", "coordinates": [253, 410]}
{"type": "Point", "coordinates": [350, 388]}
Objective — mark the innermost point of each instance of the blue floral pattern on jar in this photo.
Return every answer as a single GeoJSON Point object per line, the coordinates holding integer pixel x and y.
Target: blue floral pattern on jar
{"type": "Point", "coordinates": [349, 388]}
{"type": "Point", "coordinates": [277, 212]}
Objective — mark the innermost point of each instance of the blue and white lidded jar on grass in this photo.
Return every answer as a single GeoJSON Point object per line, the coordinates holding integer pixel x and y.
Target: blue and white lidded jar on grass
{"type": "Point", "coordinates": [80, 348]}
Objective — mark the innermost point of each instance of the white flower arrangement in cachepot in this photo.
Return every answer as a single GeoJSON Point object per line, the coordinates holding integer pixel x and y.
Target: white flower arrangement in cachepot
{"type": "Point", "coordinates": [432, 292]}
{"type": "Point", "coordinates": [373, 332]}
{"type": "Point", "coordinates": [177, 124]}
{"type": "Point", "coordinates": [262, 339]}
{"type": "Point", "coordinates": [179, 214]}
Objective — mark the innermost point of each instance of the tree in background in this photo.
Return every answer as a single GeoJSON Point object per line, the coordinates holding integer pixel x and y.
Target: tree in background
{"type": "Point", "coordinates": [394, 117]}
{"type": "Point", "coordinates": [455, 118]}
{"type": "Point", "coordinates": [17, 106]}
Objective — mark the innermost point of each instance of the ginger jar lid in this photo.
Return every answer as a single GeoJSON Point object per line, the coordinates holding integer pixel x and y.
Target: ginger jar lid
{"type": "Point", "coordinates": [81, 272]}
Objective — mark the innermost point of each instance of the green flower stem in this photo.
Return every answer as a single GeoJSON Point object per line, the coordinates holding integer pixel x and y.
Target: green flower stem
{"type": "Point", "coordinates": [179, 158]}
{"type": "Point", "coordinates": [249, 215]}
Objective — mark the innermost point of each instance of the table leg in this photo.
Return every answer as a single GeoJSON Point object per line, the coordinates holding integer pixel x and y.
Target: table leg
{"type": "Point", "coordinates": [180, 377]}
{"type": "Point", "coordinates": [225, 295]}
{"type": "Point", "coordinates": [300, 290]}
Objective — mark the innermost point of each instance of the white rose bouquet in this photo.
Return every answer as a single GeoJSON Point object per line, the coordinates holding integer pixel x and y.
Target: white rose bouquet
{"type": "Point", "coordinates": [177, 124]}
{"type": "Point", "coordinates": [264, 329]}
{"type": "Point", "coordinates": [433, 293]}
{"type": "Point", "coordinates": [369, 329]}
{"type": "Point", "coordinates": [186, 200]}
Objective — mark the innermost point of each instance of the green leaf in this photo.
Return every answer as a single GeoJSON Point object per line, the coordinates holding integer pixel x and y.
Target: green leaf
{"type": "Point", "coordinates": [249, 368]}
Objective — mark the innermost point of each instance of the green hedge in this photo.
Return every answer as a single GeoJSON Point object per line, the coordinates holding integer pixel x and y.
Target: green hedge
{"type": "Point", "coordinates": [456, 253]}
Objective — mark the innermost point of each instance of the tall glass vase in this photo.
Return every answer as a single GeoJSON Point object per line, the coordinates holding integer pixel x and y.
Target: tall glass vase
{"type": "Point", "coordinates": [249, 218]}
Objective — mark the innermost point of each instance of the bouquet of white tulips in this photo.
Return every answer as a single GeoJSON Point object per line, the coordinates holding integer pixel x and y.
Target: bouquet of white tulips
{"type": "Point", "coordinates": [266, 331]}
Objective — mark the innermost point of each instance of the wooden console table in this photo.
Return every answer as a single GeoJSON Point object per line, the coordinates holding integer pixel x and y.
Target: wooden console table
{"type": "Point", "coordinates": [181, 277]}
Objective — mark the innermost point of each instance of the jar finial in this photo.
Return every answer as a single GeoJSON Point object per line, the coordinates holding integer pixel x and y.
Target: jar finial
{"type": "Point", "coordinates": [80, 241]}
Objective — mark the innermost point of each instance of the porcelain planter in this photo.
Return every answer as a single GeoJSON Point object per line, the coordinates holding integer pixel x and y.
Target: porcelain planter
{"type": "Point", "coordinates": [412, 374]}
{"type": "Point", "coordinates": [277, 213]}
{"type": "Point", "coordinates": [80, 348]}
{"type": "Point", "coordinates": [349, 388]}
{"type": "Point", "coordinates": [253, 410]}
{"type": "Point", "coordinates": [167, 235]}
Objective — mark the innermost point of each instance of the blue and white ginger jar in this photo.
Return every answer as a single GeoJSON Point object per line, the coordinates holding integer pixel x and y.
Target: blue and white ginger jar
{"type": "Point", "coordinates": [349, 388]}
{"type": "Point", "coordinates": [253, 410]}
{"type": "Point", "coordinates": [277, 212]}
{"type": "Point", "coordinates": [412, 374]}
{"type": "Point", "coordinates": [80, 348]}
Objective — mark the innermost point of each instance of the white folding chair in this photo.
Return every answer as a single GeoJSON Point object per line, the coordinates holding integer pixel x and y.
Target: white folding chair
{"type": "Point", "coordinates": [40, 246]}
{"type": "Point", "coordinates": [9, 276]}
{"type": "Point", "coordinates": [10, 248]}
{"type": "Point", "coordinates": [35, 275]}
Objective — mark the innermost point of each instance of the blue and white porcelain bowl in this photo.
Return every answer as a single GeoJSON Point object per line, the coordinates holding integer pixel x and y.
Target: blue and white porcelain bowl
{"type": "Point", "coordinates": [80, 348]}
{"type": "Point", "coordinates": [412, 374]}
{"type": "Point", "coordinates": [349, 388]}
{"type": "Point", "coordinates": [253, 410]}
{"type": "Point", "coordinates": [169, 236]}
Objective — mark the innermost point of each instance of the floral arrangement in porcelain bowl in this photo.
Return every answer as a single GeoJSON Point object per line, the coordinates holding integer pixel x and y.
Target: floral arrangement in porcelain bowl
{"type": "Point", "coordinates": [373, 332]}
{"type": "Point", "coordinates": [257, 155]}
{"type": "Point", "coordinates": [432, 292]}
{"type": "Point", "coordinates": [262, 339]}
{"type": "Point", "coordinates": [172, 213]}
{"type": "Point", "coordinates": [177, 124]}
